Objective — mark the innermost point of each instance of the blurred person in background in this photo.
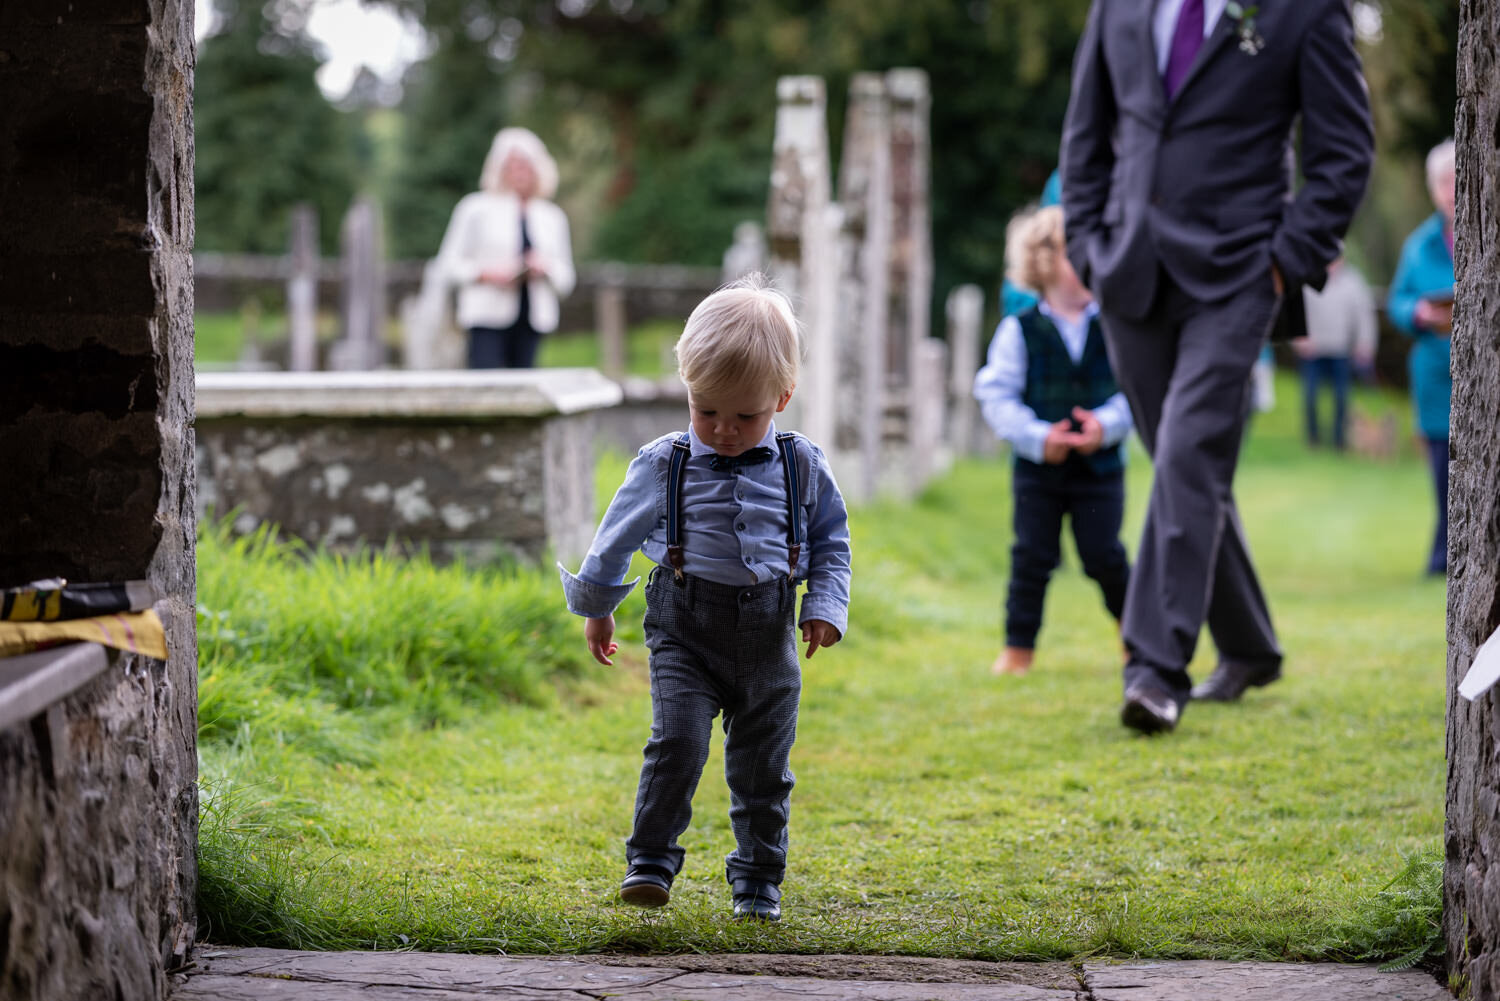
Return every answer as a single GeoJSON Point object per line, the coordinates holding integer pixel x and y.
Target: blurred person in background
{"type": "Point", "coordinates": [508, 250]}
{"type": "Point", "coordinates": [1341, 337]}
{"type": "Point", "coordinates": [1420, 304]}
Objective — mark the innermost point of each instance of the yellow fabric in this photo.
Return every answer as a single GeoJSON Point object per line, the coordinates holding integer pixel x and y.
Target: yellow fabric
{"type": "Point", "coordinates": [33, 605]}
{"type": "Point", "coordinates": [138, 632]}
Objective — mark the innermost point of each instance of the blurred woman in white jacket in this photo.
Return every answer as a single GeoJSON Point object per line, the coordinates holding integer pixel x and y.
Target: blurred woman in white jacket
{"type": "Point", "coordinates": [507, 249]}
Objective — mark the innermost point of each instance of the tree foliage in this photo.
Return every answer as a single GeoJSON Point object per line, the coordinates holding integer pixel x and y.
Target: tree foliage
{"type": "Point", "coordinates": [453, 107]}
{"type": "Point", "coordinates": [265, 137]}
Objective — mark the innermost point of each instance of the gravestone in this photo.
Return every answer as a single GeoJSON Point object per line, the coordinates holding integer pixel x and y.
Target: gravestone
{"type": "Point", "coordinates": [98, 794]}
{"type": "Point", "coordinates": [965, 313]}
{"type": "Point", "coordinates": [747, 253]}
{"type": "Point", "coordinates": [302, 290]}
{"type": "Point", "coordinates": [910, 288]}
{"type": "Point", "coordinates": [1471, 904]}
{"type": "Point", "coordinates": [865, 195]}
{"type": "Point", "coordinates": [362, 345]}
{"type": "Point", "coordinates": [802, 245]}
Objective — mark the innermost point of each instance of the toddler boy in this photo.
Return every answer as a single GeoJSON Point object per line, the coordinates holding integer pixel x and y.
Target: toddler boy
{"type": "Point", "coordinates": [734, 514]}
{"type": "Point", "coordinates": [1048, 389]}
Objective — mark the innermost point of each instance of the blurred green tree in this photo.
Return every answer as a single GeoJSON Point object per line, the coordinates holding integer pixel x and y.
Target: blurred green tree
{"type": "Point", "coordinates": [266, 138]}
{"type": "Point", "coordinates": [453, 106]}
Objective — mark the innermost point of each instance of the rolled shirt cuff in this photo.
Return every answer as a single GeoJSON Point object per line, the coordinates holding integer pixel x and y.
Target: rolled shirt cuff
{"type": "Point", "coordinates": [827, 608]}
{"type": "Point", "coordinates": [1031, 443]}
{"type": "Point", "coordinates": [590, 600]}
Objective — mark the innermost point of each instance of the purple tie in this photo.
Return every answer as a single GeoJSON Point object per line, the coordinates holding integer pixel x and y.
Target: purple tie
{"type": "Point", "coordinates": [1187, 39]}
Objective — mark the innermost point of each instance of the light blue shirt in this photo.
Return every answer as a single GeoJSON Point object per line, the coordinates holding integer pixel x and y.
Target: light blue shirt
{"type": "Point", "coordinates": [734, 529]}
{"type": "Point", "coordinates": [1164, 26]}
{"type": "Point", "coordinates": [1000, 385]}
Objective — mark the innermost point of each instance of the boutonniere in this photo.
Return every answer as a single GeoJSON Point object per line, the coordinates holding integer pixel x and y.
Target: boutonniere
{"type": "Point", "coordinates": [1244, 20]}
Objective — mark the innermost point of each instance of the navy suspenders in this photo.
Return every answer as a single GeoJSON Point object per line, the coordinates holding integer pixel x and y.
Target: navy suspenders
{"type": "Point", "coordinates": [786, 441]}
{"type": "Point", "coordinates": [681, 449]}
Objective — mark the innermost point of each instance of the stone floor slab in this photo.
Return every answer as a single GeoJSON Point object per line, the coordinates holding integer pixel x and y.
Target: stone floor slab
{"type": "Point", "coordinates": [279, 975]}
{"type": "Point", "coordinates": [1202, 980]}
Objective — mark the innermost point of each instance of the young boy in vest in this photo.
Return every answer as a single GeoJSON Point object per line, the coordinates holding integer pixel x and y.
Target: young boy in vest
{"type": "Point", "coordinates": [1047, 388]}
{"type": "Point", "coordinates": [734, 514]}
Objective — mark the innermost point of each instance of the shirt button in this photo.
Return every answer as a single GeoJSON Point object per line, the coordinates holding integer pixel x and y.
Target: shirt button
{"type": "Point", "coordinates": [747, 561]}
{"type": "Point", "coordinates": [741, 526]}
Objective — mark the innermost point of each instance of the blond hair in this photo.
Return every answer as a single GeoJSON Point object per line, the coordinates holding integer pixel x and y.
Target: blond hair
{"type": "Point", "coordinates": [525, 144]}
{"type": "Point", "coordinates": [1033, 245]}
{"type": "Point", "coordinates": [743, 335]}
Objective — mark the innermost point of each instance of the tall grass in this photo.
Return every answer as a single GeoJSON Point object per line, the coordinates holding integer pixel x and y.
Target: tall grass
{"type": "Point", "coordinates": [291, 639]}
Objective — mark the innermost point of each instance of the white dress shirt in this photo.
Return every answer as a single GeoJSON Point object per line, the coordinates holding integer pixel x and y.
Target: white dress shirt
{"type": "Point", "coordinates": [1000, 384]}
{"type": "Point", "coordinates": [1164, 26]}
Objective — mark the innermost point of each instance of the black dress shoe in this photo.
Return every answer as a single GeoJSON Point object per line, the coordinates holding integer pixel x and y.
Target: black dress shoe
{"type": "Point", "coordinates": [646, 885]}
{"type": "Point", "coordinates": [1149, 710]}
{"type": "Point", "coordinates": [758, 899]}
{"type": "Point", "coordinates": [1232, 677]}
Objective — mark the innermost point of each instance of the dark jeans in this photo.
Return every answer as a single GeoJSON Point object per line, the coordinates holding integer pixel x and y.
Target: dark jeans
{"type": "Point", "coordinates": [1335, 372]}
{"type": "Point", "coordinates": [1095, 505]}
{"type": "Point", "coordinates": [509, 347]}
{"type": "Point", "coordinates": [1437, 457]}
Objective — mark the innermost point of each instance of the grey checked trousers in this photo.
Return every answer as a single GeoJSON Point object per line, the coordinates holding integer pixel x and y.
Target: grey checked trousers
{"type": "Point", "coordinates": [719, 648]}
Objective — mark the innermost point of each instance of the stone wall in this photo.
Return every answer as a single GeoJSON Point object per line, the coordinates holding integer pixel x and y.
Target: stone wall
{"type": "Point", "coordinates": [467, 464]}
{"type": "Point", "coordinates": [98, 802]}
{"type": "Point", "coordinates": [1471, 915]}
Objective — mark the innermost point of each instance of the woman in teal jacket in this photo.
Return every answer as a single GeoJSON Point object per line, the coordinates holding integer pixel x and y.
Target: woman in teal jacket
{"type": "Point", "coordinates": [1420, 303]}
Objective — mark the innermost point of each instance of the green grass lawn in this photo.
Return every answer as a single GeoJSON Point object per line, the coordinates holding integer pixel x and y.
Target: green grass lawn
{"type": "Point", "coordinates": [939, 810]}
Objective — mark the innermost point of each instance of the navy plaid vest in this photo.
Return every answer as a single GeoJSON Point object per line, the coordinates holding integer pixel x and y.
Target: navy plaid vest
{"type": "Point", "coordinates": [1055, 384]}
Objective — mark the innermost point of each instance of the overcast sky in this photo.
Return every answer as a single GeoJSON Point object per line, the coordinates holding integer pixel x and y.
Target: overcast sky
{"type": "Point", "coordinates": [352, 34]}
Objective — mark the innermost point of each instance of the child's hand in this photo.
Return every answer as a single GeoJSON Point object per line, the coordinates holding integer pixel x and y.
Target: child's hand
{"type": "Point", "coordinates": [816, 633]}
{"type": "Point", "coordinates": [600, 634]}
{"type": "Point", "coordinates": [1090, 434]}
{"type": "Point", "coordinates": [1058, 443]}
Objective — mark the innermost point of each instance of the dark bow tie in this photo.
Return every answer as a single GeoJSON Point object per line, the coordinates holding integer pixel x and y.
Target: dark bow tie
{"type": "Point", "coordinates": [749, 457]}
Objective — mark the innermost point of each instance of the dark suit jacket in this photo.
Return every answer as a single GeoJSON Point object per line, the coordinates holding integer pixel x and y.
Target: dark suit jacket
{"type": "Point", "coordinates": [1202, 185]}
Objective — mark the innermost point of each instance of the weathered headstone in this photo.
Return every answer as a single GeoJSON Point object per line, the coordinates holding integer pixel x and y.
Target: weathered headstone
{"type": "Point", "coordinates": [1471, 904]}
{"type": "Point", "coordinates": [98, 794]}
{"type": "Point", "coordinates": [803, 252]}
{"type": "Point", "coordinates": [609, 320]}
{"type": "Point", "coordinates": [302, 290]}
{"type": "Point", "coordinates": [428, 337]}
{"type": "Point", "coordinates": [865, 196]}
{"type": "Point", "coordinates": [911, 237]}
{"type": "Point", "coordinates": [362, 344]}
{"type": "Point", "coordinates": [747, 253]}
{"type": "Point", "coordinates": [965, 312]}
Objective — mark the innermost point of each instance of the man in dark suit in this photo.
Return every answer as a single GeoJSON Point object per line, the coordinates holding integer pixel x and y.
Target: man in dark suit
{"type": "Point", "coordinates": [1177, 177]}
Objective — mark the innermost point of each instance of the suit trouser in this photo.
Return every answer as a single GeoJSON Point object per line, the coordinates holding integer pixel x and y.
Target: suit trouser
{"type": "Point", "coordinates": [1095, 504]}
{"type": "Point", "coordinates": [1185, 368]}
{"type": "Point", "coordinates": [716, 647]}
{"type": "Point", "coordinates": [1437, 459]}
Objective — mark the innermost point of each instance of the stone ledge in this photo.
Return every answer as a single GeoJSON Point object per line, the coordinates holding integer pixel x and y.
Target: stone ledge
{"type": "Point", "coordinates": [31, 682]}
{"type": "Point", "coordinates": [401, 394]}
